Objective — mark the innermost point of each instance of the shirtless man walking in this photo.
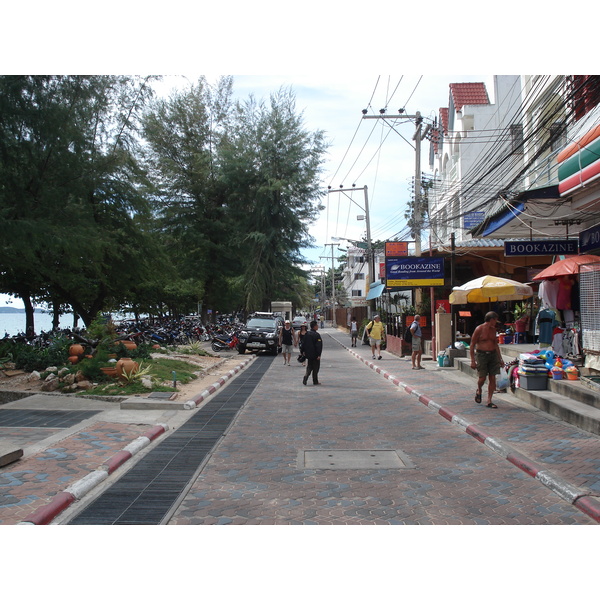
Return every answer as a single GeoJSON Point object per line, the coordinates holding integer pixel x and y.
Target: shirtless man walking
{"type": "Point", "coordinates": [488, 360]}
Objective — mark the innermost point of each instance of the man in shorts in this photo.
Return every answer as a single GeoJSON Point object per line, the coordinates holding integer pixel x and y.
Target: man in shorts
{"type": "Point", "coordinates": [486, 356]}
{"type": "Point", "coordinates": [417, 343]}
{"type": "Point", "coordinates": [376, 330]}
{"type": "Point", "coordinates": [287, 339]}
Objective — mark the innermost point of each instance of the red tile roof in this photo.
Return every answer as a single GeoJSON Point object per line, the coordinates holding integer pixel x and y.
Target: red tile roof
{"type": "Point", "coordinates": [444, 120]}
{"type": "Point", "coordinates": [468, 93]}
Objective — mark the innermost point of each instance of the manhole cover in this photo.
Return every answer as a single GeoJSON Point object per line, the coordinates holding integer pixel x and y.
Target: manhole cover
{"type": "Point", "coordinates": [162, 395]}
{"type": "Point", "coordinates": [353, 459]}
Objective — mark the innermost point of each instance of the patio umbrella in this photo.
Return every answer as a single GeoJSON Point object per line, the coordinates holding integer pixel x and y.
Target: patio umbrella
{"type": "Point", "coordinates": [490, 288]}
{"type": "Point", "coordinates": [568, 266]}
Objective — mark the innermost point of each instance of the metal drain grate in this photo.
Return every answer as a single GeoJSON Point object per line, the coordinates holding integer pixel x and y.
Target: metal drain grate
{"type": "Point", "coordinates": [146, 493]}
{"type": "Point", "coordinates": [47, 418]}
{"type": "Point", "coordinates": [353, 459]}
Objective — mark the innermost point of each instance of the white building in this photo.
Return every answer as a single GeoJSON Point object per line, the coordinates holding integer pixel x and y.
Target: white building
{"type": "Point", "coordinates": [356, 274]}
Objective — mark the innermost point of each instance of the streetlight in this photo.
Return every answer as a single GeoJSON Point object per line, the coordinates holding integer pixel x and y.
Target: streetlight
{"type": "Point", "coordinates": [365, 217]}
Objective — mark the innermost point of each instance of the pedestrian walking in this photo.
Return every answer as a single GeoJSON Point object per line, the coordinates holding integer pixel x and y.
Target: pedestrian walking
{"type": "Point", "coordinates": [312, 346]}
{"type": "Point", "coordinates": [353, 332]}
{"type": "Point", "coordinates": [486, 356]}
{"type": "Point", "coordinates": [376, 331]}
{"type": "Point", "coordinates": [417, 343]}
{"type": "Point", "coordinates": [322, 319]}
{"type": "Point", "coordinates": [287, 339]}
{"type": "Point", "coordinates": [303, 331]}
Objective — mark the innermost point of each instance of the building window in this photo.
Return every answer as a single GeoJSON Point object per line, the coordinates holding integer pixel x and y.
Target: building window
{"type": "Point", "coordinates": [585, 93]}
{"type": "Point", "coordinates": [356, 292]}
{"type": "Point", "coordinates": [558, 136]}
{"type": "Point", "coordinates": [359, 276]}
{"type": "Point", "coordinates": [516, 138]}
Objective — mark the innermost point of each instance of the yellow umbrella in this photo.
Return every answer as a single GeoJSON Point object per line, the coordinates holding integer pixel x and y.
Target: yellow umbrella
{"type": "Point", "coordinates": [490, 288]}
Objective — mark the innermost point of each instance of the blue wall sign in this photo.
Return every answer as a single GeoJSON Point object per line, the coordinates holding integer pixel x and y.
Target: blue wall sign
{"type": "Point", "coordinates": [589, 239]}
{"type": "Point", "coordinates": [541, 248]}
{"type": "Point", "coordinates": [414, 271]}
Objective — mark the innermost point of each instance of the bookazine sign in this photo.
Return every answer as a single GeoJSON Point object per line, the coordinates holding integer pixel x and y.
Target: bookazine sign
{"type": "Point", "coordinates": [541, 247]}
{"type": "Point", "coordinates": [414, 271]}
{"type": "Point", "coordinates": [589, 239]}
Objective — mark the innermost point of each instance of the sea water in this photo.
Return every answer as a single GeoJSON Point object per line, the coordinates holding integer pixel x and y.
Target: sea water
{"type": "Point", "coordinates": [14, 323]}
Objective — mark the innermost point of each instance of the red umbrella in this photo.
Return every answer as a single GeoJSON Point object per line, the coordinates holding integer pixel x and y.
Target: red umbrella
{"type": "Point", "coordinates": [568, 266]}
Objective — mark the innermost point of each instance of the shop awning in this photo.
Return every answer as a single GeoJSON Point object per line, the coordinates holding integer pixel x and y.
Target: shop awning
{"type": "Point", "coordinates": [513, 219]}
{"type": "Point", "coordinates": [375, 290]}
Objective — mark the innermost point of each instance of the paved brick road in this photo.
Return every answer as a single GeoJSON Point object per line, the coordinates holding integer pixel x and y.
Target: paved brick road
{"type": "Point", "coordinates": [33, 481]}
{"type": "Point", "coordinates": [254, 477]}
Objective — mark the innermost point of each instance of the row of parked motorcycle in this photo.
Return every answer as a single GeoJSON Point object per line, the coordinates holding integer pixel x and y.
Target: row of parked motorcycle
{"type": "Point", "coordinates": [165, 332]}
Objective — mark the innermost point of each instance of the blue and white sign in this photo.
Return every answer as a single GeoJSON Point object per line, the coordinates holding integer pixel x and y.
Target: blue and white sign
{"type": "Point", "coordinates": [589, 239]}
{"type": "Point", "coordinates": [414, 271]}
{"type": "Point", "coordinates": [541, 248]}
{"type": "Point", "coordinates": [472, 219]}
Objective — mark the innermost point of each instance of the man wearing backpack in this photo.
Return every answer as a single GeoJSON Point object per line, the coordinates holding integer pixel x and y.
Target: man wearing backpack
{"type": "Point", "coordinates": [376, 331]}
{"type": "Point", "coordinates": [417, 350]}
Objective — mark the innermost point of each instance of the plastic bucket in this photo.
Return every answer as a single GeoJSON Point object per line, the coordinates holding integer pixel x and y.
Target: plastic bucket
{"type": "Point", "coordinates": [573, 376]}
{"type": "Point", "coordinates": [507, 339]}
{"type": "Point", "coordinates": [557, 374]}
{"type": "Point", "coordinates": [441, 359]}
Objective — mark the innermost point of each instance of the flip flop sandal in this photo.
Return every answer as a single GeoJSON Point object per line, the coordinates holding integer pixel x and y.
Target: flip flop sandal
{"type": "Point", "coordinates": [478, 397]}
{"type": "Point", "coordinates": [491, 405]}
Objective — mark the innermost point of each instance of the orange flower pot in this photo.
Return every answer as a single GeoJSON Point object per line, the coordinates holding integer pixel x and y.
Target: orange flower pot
{"type": "Point", "coordinates": [76, 350]}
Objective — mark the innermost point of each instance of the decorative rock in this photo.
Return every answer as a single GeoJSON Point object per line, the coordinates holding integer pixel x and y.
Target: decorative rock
{"type": "Point", "coordinates": [85, 385]}
{"type": "Point", "coordinates": [33, 376]}
{"type": "Point", "coordinates": [147, 382]}
{"type": "Point", "coordinates": [51, 377]}
{"type": "Point", "coordinates": [69, 379]}
{"type": "Point", "coordinates": [63, 371]}
{"type": "Point", "coordinates": [51, 369]}
{"type": "Point", "coordinates": [51, 385]}
{"type": "Point", "coordinates": [79, 376]}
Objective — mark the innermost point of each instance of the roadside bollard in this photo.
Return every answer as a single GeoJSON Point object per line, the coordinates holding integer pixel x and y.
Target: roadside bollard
{"type": "Point", "coordinates": [174, 378]}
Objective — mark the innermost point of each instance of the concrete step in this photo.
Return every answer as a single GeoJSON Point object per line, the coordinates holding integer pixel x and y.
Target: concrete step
{"type": "Point", "coordinates": [573, 404]}
{"type": "Point", "coordinates": [9, 453]}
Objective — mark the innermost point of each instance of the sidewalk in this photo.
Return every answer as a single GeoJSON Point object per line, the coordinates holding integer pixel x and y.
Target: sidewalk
{"type": "Point", "coordinates": [300, 454]}
{"type": "Point", "coordinates": [558, 454]}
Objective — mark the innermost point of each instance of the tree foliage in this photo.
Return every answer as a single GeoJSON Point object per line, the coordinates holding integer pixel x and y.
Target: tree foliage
{"type": "Point", "coordinates": [270, 169]}
{"type": "Point", "coordinates": [112, 200]}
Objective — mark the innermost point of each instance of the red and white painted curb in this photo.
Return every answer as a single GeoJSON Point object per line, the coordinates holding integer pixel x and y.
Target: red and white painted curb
{"type": "Point", "coordinates": [198, 399]}
{"type": "Point", "coordinates": [45, 514]}
{"type": "Point", "coordinates": [582, 500]}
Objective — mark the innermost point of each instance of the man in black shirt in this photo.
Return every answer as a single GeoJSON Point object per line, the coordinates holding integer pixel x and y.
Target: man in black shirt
{"type": "Point", "coordinates": [312, 346]}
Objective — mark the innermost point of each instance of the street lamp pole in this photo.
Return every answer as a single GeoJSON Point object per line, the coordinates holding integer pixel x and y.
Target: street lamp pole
{"type": "Point", "coordinates": [370, 254]}
{"type": "Point", "coordinates": [333, 319]}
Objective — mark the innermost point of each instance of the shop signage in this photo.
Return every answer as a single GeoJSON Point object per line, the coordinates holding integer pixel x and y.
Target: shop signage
{"type": "Point", "coordinates": [541, 247]}
{"type": "Point", "coordinates": [414, 271]}
{"type": "Point", "coordinates": [589, 239]}
{"type": "Point", "coordinates": [396, 248]}
{"type": "Point", "coordinates": [472, 219]}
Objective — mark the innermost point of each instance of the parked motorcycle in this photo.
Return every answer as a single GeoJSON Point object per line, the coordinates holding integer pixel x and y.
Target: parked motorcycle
{"type": "Point", "coordinates": [220, 343]}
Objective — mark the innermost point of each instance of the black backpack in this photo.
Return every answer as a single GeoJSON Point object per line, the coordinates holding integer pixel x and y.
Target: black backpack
{"type": "Point", "coordinates": [407, 335]}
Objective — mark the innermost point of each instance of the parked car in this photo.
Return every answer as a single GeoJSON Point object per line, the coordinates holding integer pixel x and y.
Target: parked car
{"type": "Point", "coordinates": [298, 322]}
{"type": "Point", "coordinates": [260, 333]}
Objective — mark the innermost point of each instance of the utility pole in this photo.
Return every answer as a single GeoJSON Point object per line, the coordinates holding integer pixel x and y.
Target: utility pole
{"type": "Point", "coordinates": [417, 137]}
{"type": "Point", "coordinates": [333, 319]}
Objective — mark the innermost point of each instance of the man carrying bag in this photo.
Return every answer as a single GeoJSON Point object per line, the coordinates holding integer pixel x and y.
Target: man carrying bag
{"type": "Point", "coordinates": [312, 346]}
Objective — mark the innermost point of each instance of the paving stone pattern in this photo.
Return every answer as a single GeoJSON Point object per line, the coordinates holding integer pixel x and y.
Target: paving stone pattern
{"type": "Point", "coordinates": [253, 476]}
{"type": "Point", "coordinates": [33, 481]}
